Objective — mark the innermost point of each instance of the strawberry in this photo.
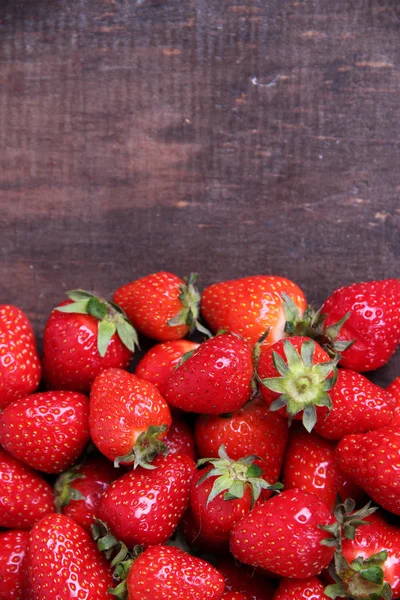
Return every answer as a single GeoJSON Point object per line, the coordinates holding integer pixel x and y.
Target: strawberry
{"type": "Point", "coordinates": [371, 460]}
{"type": "Point", "coordinates": [20, 368]}
{"type": "Point", "coordinates": [179, 439]}
{"type": "Point", "coordinates": [394, 390]}
{"type": "Point", "coordinates": [233, 596]}
{"type": "Point", "coordinates": [252, 429]}
{"type": "Point", "coordinates": [300, 589]}
{"type": "Point", "coordinates": [25, 497]}
{"type": "Point", "coordinates": [122, 409]}
{"type": "Point", "coordinates": [78, 491]}
{"type": "Point", "coordinates": [12, 551]}
{"type": "Point", "coordinates": [168, 573]}
{"type": "Point", "coordinates": [63, 562]}
{"type": "Point", "coordinates": [145, 506]}
{"type": "Point", "coordinates": [162, 306]}
{"type": "Point", "coordinates": [47, 430]}
{"type": "Point", "coordinates": [246, 580]}
{"type": "Point", "coordinates": [283, 535]}
{"type": "Point", "coordinates": [215, 379]}
{"type": "Point", "coordinates": [251, 305]}
{"type": "Point", "coordinates": [158, 364]}
{"type": "Point", "coordinates": [83, 336]}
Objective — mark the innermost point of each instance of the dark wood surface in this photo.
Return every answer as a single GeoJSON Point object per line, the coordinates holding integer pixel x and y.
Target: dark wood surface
{"type": "Point", "coordinates": [226, 137]}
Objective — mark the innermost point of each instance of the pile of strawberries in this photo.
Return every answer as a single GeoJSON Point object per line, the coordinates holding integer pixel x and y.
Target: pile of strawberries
{"type": "Point", "coordinates": [256, 463]}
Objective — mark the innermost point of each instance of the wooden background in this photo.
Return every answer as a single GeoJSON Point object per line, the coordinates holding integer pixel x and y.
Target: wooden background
{"type": "Point", "coordinates": [220, 136]}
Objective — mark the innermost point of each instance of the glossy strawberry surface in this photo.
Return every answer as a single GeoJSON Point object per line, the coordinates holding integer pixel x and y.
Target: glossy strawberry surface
{"type": "Point", "coordinates": [252, 583]}
{"type": "Point", "coordinates": [300, 589]}
{"type": "Point", "coordinates": [179, 439]}
{"type": "Point", "coordinates": [12, 551]}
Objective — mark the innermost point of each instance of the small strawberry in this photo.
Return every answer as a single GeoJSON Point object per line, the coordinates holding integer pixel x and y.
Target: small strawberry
{"type": "Point", "coordinates": [63, 562]}
{"type": "Point", "coordinates": [12, 551]}
{"type": "Point", "coordinates": [158, 364]}
{"type": "Point", "coordinates": [215, 379]}
{"type": "Point", "coordinates": [283, 535]}
{"type": "Point", "coordinates": [300, 589]}
{"type": "Point", "coordinates": [145, 506]}
{"type": "Point", "coordinates": [20, 368]}
{"type": "Point", "coordinates": [83, 336]}
{"type": "Point", "coordinates": [251, 305]}
{"type": "Point", "coordinates": [248, 581]}
{"type": "Point", "coordinates": [78, 490]}
{"type": "Point", "coordinates": [179, 439]}
{"type": "Point", "coordinates": [47, 430]}
{"type": "Point", "coordinates": [122, 409]}
{"type": "Point", "coordinates": [162, 306]}
{"type": "Point", "coordinates": [25, 497]}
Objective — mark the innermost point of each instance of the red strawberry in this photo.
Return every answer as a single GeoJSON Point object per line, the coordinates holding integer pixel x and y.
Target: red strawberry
{"type": "Point", "coordinates": [122, 409]}
{"type": "Point", "coordinates": [161, 305]}
{"type": "Point", "coordinates": [168, 573]}
{"type": "Point", "coordinates": [251, 430]}
{"type": "Point", "coordinates": [20, 368]}
{"type": "Point", "coordinates": [179, 439]}
{"type": "Point", "coordinates": [371, 460]}
{"type": "Point", "coordinates": [12, 551]}
{"type": "Point", "coordinates": [78, 491]}
{"type": "Point", "coordinates": [158, 364]}
{"type": "Point", "coordinates": [299, 589]}
{"type": "Point", "coordinates": [83, 336]}
{"type": "Point", "coordinates": [145, 506]}
{"type": "Point", "coordinates": [246, 580]}
{"type": "Point", "coordinates": [25, 497]}
{"type": "Point", "coordinates": [394, 390]}
{"type": "Point", "coordinates": [48, 430]}
{"type": "Point", "coordinates": [215, 379]}
{"type": "Point", "coordinates": [63, 562]}
{"type": "Point", "coordinates": [251, 305]}
{"type": "Point", "coordinates": [233, 596]}
{"type": "Point", "coordinates": [283, 536]}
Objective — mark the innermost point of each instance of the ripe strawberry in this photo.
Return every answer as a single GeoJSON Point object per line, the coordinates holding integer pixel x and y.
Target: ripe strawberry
{"type": "Point", "coordinates": [371, 460]}
{"type": "Point", "coordinates": [250, 582]}
{"type": "Point", "coordinates": [12, 551]}
{"type": "Point", "coordinates": [215, 379]}
{"type": "Point", "coordinates": [161, 305]}
{"type": "Point", "coordinates": [63, 562]}
{"type": "Point", "coordinates": [78, 491]}
{"type": "Point", "coordinates": [394, 390]}
{"type": "Point", "coordinates": [168, 573]}
{"type": "Point", "coordinates": [252, 429]}
{"type": "Point", "coordinates": [145, 506]}
{"type": "Point", "coordinates": [47, 431]}
{"type": "Point", "coordinates": [83, 336]}
{"type": "Point", "coordinates": [25, 497]}
{"type": "Point", "coordinates": [20, 368]}
{"type": "Point", "coordinates": [299, 589]}
{"type": "Point", "coordinates": [179, 439]}
{"type": "Point", "coordinates": [158, 364]}
{"type": "Point", "coordinates": [251, 305]}
{"type": "Point", "coordinates": [283, 536]}
{"type": "Point", "coordinates": [233, 596]}
{"type": "Point", "coordinates": [122, 409]}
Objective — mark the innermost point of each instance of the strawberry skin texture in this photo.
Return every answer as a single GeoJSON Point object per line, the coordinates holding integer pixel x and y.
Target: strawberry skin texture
{"type": "Point", "coordinates": [251, 305]}
{"type": "Point", "coordinates": [374, 322]}
{"type": "Point", "coordinates": [12, 551]}
{"type": "Point", "coordinates": [48, 431]}
{"type": "Point", "coordinates": [20, 368]}
{"type": "Point", "coordinates": [63, 562]}
{"type": "Point", "coordinates": [282, 535]}
{"type": "Point", "coordinates": [71, 360]}
{"type": "Point", "coordinates": [179, 439]}
{"type": "Point", "coordinates": [394, 390]}
{"type": "Point", "coordinates": [158, 364]}
{"type": "Point", "coordinates": [233, 596]}
{"type": "Point", "coordinates": [372, 461]}
{"type": "Point", "coordinates": [25, 497]}
{"type": "Point", "coordinates": [215, 379]}
{"type": "Point", "coordinates": [300, 589]}
{"type": "Point", "coordinates": [122, 406]}
{"type": "Point", "coordinates": [245, 580]}
{"type": "Point", "coordinates": [168, 573]}
{"type": "Point", "coordinates": [145, 506]}
{"type": "Point", "coordinates": [150, 302]}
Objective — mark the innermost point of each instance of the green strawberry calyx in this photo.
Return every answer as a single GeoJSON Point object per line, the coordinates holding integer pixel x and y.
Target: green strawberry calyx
{"type": "Point", "coordinates": [232, 477]}
{"type": "Point", "coordinates": [64, 492]}
{"type": "Point", "coordinates": [147, 447]}
{"type": "Point", "coordinates": [347, 521]}
{"type": "Point", "coordinates": [190, 311]}
{"type": "Point", "coordinates": [302, 386]}
{"type": "Point", "coordinates": [112, 319]}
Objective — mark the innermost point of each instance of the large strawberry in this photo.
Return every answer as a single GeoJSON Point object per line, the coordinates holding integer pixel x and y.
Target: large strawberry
{"type": "Point", "coordinates": [215, 379]}
{"type": "Point", "coordinates": [20, 368]}
{"type": "Point", "coordinates": [300, 589]}
{"type": "Point", "coordinates": [283, 535]}
{"type": "Point", "coordinates": [122, 409]}
{"type": "Point", "coordinates": [47, 430]}
{"type": "Point", "coordinates": [162, 306]}
{"type": "Point", "coordinates": [63, 562]}
{"type": "Point", "coordinates": [251, 305]}
{"type": "Point", "coordinates": [12, 551]}
{"type": "Point", "coordinates": [179, 439]}
{"type": "Point", "coordinates": [145, 506]}
{"type": "Point", "coordinates": [83, 336]}
{"type": "Point", "coordinates": [25, 497]}
{"type": "Point", "coordinates": [252, 583]}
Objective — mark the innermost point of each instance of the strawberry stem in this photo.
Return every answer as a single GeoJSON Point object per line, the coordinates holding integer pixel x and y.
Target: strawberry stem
{"type": "Point", "coordinates": [190, 311]}
{"type": "Point", "coordinates": [147, 447]}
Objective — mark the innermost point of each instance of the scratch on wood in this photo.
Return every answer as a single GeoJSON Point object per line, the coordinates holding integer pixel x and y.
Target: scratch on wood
{"type": "Point", "coordinates": [171, 51]}
{"type": "Point", "coordinates": [272, 83]}
{"type": "Point", "coordinates": [382, 216]}
{"type": "Point", "coordinates": [375, 64]}
{"type": "Point", "coordinates": [247, 10]}
{"type": "Point", "coordinates": [317, 35]}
